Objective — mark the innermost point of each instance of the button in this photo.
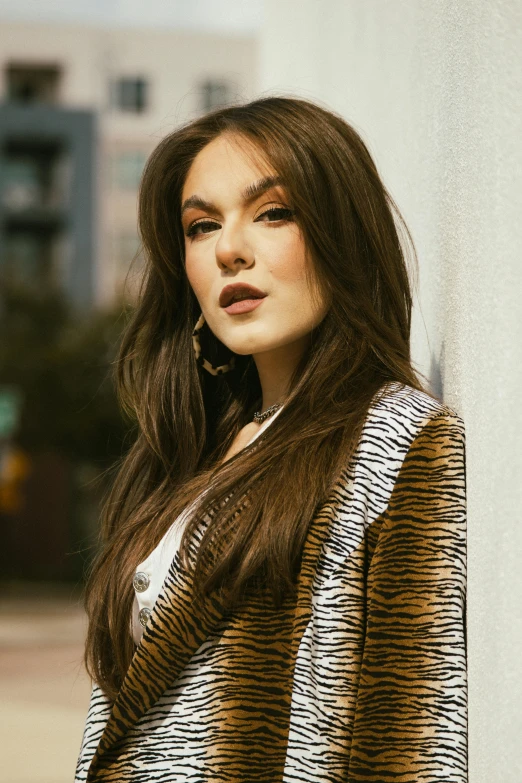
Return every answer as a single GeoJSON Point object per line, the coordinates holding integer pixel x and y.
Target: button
{"type": "Point", "coordinates": [143, 616]}
{"type": "Point", "coordinates": [140, 582]}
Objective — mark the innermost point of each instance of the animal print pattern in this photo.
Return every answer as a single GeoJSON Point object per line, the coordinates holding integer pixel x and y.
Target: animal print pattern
{"type": "Point", "coordinates": [361, 678]}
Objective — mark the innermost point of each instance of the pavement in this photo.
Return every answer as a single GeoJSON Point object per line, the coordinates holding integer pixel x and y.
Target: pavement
{"type": "Point", "coordinates": [43, 685]}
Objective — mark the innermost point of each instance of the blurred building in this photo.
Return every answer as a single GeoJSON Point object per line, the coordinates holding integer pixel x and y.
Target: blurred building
{"type": "Point", "coordinates": [81, 108]}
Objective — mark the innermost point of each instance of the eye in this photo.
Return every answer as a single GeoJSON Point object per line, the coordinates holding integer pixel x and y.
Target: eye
{"type": "Point", "coordinates": [206, 227]}
{"type": "Point", "coordinates": [276, 213]}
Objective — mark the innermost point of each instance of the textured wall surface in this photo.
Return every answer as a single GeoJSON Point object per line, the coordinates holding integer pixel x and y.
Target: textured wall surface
{"type": "Point", "coordinates": [435, 89]}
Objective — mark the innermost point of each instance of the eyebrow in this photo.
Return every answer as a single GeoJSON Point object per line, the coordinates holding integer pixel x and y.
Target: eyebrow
{"type": "Point", "coordinates": [249, 194]}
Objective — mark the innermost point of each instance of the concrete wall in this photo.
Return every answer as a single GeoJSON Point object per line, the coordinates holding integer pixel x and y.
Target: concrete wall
{"type": "Point", "coordinates": [435, 90]}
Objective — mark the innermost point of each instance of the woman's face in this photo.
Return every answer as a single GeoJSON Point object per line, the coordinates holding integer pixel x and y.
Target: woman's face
{"type": "Point", "coordinates": [239, 229]}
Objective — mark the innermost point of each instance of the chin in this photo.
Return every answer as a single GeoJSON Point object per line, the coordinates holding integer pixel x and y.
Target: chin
{"type": "Point", "coordinates": [245, 344]}
{"type": "Point", "coordinates": [248, 347]}
{"type": "Point", "coordinates": [248, 350]}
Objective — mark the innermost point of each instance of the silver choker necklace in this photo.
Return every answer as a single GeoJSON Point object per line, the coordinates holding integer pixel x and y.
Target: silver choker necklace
{"type": "Point", "coordinates": [259, 417]}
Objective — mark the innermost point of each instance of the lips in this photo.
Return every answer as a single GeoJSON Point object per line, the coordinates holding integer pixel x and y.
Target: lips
{"type": "Point", "coordinates": [238, 291]}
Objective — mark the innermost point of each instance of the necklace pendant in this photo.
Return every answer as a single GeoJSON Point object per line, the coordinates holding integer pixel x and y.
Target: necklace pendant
{"type": "Point", "coordinates": [259, 417]}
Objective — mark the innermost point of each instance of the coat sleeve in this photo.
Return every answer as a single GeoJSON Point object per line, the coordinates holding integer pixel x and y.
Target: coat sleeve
{"type": "Point", "coordinates": [99, 710]}
{"type": "Point", "coordinates": [411, 713]}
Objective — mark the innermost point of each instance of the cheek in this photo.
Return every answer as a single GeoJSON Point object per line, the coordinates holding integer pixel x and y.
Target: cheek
{"type": "Point", "coordinates": [288, 260]}
{"type": "Point", "coordinates": [290, 266]}
{"type": "Point", "coordinates": [197, 276]}
{"type": "Point", "coordinates": [303, 299]}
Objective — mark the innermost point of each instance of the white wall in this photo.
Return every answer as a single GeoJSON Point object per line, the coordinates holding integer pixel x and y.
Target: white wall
{"type": "Point", "coordinates": [435, 89]}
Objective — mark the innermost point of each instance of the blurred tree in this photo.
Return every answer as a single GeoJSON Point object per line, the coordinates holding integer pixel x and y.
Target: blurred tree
{"type": "Point", "coordinates": [71, 429]}
{"type": "Point", "coordinates": [61, 361]}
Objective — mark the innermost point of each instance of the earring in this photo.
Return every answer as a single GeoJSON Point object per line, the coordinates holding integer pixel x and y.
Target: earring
{"type": "Point", "coordinates": [200, 359]}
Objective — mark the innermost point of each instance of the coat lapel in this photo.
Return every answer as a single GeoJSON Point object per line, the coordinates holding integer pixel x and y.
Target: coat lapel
{"type": "Point", "coordinates": [179, 625]}
{"type": "Point", "coordinates": [176, 628]}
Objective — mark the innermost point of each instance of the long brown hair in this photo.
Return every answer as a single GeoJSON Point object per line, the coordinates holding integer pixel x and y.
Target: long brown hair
{"type": "Point", "coordinates": [187, 419]}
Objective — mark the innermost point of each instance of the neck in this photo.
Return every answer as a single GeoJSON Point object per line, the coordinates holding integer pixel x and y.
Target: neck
{"type": "Point", "coordinates": [275, 369]}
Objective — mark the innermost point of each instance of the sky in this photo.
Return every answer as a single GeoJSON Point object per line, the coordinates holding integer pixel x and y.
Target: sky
{"type": "Point", "coordinates": [241, 16]}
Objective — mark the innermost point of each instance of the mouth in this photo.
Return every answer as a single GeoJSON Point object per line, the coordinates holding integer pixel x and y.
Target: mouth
{"type": "Point", "coordinates": [243, 306]}
{"type": "Point", "coordinates": [240, 292]}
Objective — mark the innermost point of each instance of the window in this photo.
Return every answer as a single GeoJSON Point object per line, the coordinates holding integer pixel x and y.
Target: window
{"type": "Point", "coordinates": [22, 187]}
{"type": "Point", "coordinates": [36, 174]}
{"type": "Point", "coordinates": [214, 93]}
{"type": "Point", "coordinates": [127, 168]}
{"type": "Point", "coordinates": [32, 84]}
{"type": "Point", "coordinates": [35, 191]}
{"type": "Point", "coordinates": [130, 94]}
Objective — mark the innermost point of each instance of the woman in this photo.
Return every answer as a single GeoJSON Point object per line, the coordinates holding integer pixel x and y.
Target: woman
{"type": "Point", "coordinates": [280, 596]}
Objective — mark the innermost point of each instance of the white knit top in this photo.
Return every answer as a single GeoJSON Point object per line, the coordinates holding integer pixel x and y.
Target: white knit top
{"type": "Point", "coordinates": [151, 573]}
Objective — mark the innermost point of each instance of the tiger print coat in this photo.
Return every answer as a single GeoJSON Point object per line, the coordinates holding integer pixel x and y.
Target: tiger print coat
{"type": "Point", "coordinates": [361, 678]}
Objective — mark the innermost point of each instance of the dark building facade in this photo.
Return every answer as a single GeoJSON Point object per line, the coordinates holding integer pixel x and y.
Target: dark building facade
{"type": "Point", "coordinates": [47, 197]}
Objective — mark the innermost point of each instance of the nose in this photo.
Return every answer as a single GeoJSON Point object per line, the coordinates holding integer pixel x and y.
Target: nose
{"type": "Point", "coordinates": [233, 249]}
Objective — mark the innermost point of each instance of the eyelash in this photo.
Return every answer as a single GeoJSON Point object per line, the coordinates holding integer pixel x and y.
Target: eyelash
{"type": "Point", "coordinates": [192, 231]}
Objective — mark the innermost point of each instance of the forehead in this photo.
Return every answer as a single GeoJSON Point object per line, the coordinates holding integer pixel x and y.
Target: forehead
{"type": "Point", "coordinates": [227, 163]}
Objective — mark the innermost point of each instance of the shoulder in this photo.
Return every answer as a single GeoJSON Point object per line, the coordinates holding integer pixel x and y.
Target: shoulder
{"type": "Point", "coordinates": [398, 417]}
{"type": "Point", "coordinates": [408, 436]}
{"type": "Point", "coordinates": [402, 412]}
